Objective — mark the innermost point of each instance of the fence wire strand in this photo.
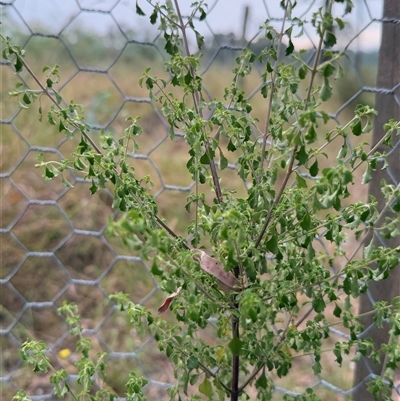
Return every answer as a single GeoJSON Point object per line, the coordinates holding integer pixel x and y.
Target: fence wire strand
{"type": "Point", "coordinates": [43, 226]}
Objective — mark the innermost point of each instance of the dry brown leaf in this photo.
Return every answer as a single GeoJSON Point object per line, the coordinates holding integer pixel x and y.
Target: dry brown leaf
{"type": "Point", "coordinates": [227, 280]}
{"type": "Point", "coordinates": [168, 301]}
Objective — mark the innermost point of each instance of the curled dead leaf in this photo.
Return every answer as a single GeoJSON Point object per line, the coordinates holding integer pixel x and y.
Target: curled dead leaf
{"type": "Point", "coordinates": [227, 280]}
{"type": "Point", "coordinates": [165, 305]}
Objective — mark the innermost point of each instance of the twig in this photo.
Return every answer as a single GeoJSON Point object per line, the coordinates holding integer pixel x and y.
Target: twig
{"type": "Point", "coordinates": [235, 358]}
{"type": "Point", "coordinates": [273, 78]}
{"type": "Point", "coordinates": [94, 146]}
{"type": "Point", "coordinates": [290, 168]}
{"type": "Point", "coordinates": [44, 89]}
{"type": "Point", "coordinates": [379, 143]}
{"type": "Point", "coordinates": [196, 100]}
{"type": "Point", "coordinates": [277, 199]}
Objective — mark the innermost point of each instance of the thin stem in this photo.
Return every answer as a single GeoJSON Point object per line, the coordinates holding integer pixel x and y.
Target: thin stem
{"type": "Point", "coordinates": [235, 358]}
{"type": "Point", "coordinates": [196, 100]}
{"type": "Point", "coordinates": [290, 168]}
{"type": "Point", "coordinates": [95, 147]}
{"type": "Point", "coordinates": [273, 78]}
{"type": "Point", "coordinates": [335, 276]}
{"type": "Point", "coordinates": [258, 369]}
{"type": "Point", "coordinates": [304, 317]}
{"type": "Point", "coordinates": [369, 229]}
{"type": "Point", "coordinates": [202, 366]}
{"type": "Point", "coordinates": [199, 286]}
{"type": "Point", "coordinates": [373, 149]}
{"type": "Point", "coordinates": [277, 199]}
{"type": "Point", "coordinates": [314, 69]}
{"type": "Point", "coordinates": [172, 22]}
{"type": "Point", "coordinates": [44, 89]}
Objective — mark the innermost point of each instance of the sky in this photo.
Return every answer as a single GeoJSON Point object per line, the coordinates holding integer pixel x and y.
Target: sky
{"type": "Point", "coordinates": [224, 16]}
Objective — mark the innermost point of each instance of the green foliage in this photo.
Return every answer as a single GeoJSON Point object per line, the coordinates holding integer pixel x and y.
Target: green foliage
{"type": "Point", "coordinates": [266, 240]}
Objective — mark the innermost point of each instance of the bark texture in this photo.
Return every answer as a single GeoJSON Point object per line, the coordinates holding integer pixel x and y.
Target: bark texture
{"type": "Point", "coordinates": [388, 107]}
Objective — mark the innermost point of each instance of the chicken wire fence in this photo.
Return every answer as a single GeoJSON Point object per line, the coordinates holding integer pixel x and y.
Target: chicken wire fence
{"type": "Point", "coordinates": [55, 245]}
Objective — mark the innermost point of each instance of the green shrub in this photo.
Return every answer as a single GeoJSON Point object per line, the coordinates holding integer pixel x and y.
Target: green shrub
{"type": "Point", "coordinates": [251, 269]}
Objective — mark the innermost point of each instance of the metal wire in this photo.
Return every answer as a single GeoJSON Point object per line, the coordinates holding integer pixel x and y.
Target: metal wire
{"type": "Point", "coordinates": [30, 207]}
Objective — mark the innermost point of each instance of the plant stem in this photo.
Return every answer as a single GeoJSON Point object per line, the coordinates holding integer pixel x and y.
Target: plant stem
{"type": "Point", "coordinates": [277, 199]}
{"type": "Point", "coordinates": [379, 143]}
{"type": "Point", "coordinates": [290, 168]}
{"type": "Point", "coordinates": [196, 101]}
{"type": "Point", "coordinates": [273, 78]}
{"type": "Point", "coordinates": [235, 358]}
{"type": "Point", "coordinates": [157, 219]}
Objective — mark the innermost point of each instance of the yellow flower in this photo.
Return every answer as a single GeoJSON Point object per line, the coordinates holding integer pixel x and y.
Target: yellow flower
{"type": "Point", "coordinates": [64, 353]}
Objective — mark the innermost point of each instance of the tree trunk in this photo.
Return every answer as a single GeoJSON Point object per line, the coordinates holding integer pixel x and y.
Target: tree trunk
{"type": "Point", "coordinates": [388, 107]}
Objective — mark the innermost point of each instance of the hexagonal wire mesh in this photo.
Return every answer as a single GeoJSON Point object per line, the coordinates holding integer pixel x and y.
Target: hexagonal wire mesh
{"type": "Point", "coordinates": [54, 243]}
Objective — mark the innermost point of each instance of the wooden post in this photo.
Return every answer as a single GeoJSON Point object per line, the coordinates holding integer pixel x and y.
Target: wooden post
{"type": "Point", "coordinates": [388, 107]}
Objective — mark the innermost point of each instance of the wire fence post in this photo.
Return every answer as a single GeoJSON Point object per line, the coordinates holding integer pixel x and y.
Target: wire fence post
{"type": "Point", "coordinates": [388, 107]}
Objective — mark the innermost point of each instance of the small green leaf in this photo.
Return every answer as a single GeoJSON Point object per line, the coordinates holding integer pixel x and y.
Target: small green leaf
{"type": "Point", "coordinates": [235, 345]}
{"type": "Point", "coordinates": [337, 311]}
{"type": "Point", "coordinates": [48, 173]}
{"type": "Point", "coordinates": [396, 206]}
{"type": "Point", "coordinates": [311, 135]}
{"type": "Point", "coordinates": [355, 288]}
{"type": "Point", "coordinates": [306, 222]}
{"type": "Point", "coordinates": [205, 387]}
{"type": "Point", "coordinates": [272, 244]}
{"type": "Point", "coordinates": [340, 23]}
{"type": "Point", "coordinates": [356, 128]}
{"type": "Point", "coordinates": [231, 147]}
{"type": "Point", "coordinates": [264, 91]}
{"type": "Point", "coordinates": [314, 169]}
{"type": "Point", "coordinates": [93, 188]}
{"type": "Point", "coordinates": [338, 353]}
{"type": "Point", "coordinates": [188, 78]}
{"type": "Point", "coordinates": [328, 70]}
{"type": "Point", "coordinates": [139, 11]}
{"type": "Point", "coordinates": [318, 305]}
{"type": "Point", "coordinates": [153, 17]}
{"type": "Point", "coordinates": [301, 182]}
{"type": "Point", "coordinates": [326, 90]}
{"type": "Point", "coordinates": [290, 48]}
{"type": "Point", "coordinates": [343, 151]}
{"type": "Point", "coordinates": [223, 161]}
{"type": "Point", "coordinates": [367, 176]}
{"type": "Point", "coordinates": [316, 367]}
{"type": "Point", "coordinates": [192, 363]}
{"type": "Point", "coordinates": [199, 39]}
{"type": "Point", "coordinates": [301, 155]}
{"type": "Point", "coordinates": [330, 39]}
{"type": "Point", "coordinates": [61, 126]}
{"type": "Point", "coordinates": [262, 381]}
{"type": "Point", "coordinates": [66, 183]}
{"type": "Point", "coordinates": [368, 250]}
{"type": "Point", "coordinates": [202, 178]}
{"type": "Point", "coordinates": [26, 99]}
{"type": "Point", "coordinates": [18, 64]}
{"type": "Point", "coordinates": [58, 97]}
{"type": "Point", "coordinates": [156, 270]}
{"type": "Point", "coordinates": [302, 72]}
{"type": "Point", "coordinates": [205, 159]}
{"type": "Point", "coordinates": [203, 14]}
